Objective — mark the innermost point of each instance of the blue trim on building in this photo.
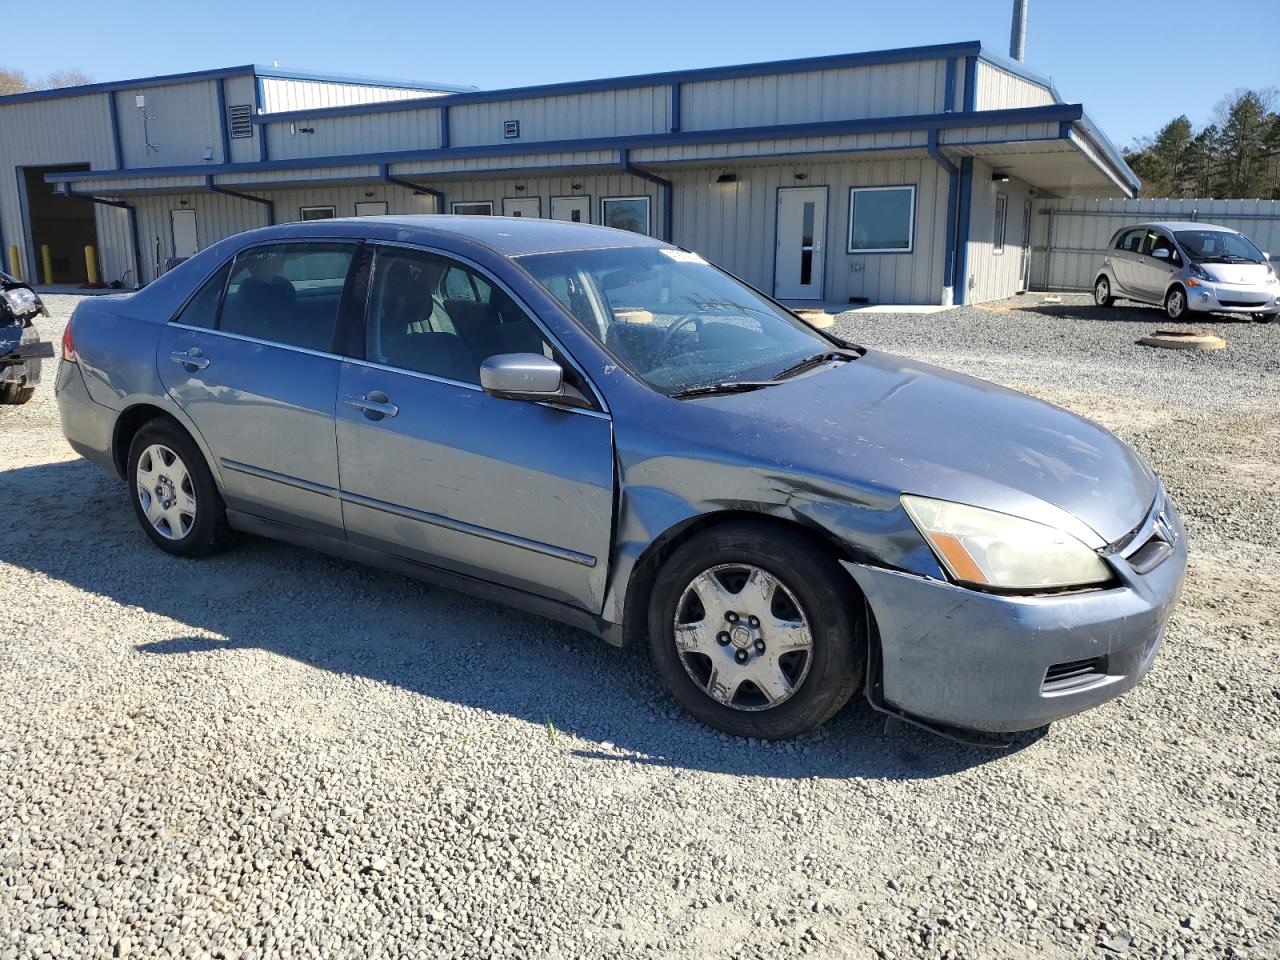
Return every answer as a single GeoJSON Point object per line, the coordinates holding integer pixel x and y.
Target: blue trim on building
{"type": "Point", "coordinates": [936, 121]}
{"type": "Point", "coordinates": [665, 185]}
{"type": "Point", "coordinates": [949, 87]}
{"type": "Point", "coordinates": [223, 130]}
{"type": "Point", "coordinates": [113, 112]}
{"type": "Point", "coordinates": [970, 84]}
{"type": "Point", "coordinates": [675, 108]}
{"type": "Point", "coordinates": [766, 68]}
{"type": "Point", "coordinates": [259, 100]}
{"type": "Point", "coordinates": [953, 178]}
{"type": "Point", "coordinates": [963, 214]}
{"type": "Point", "coordinates": [444, 127]}
{"type": "Point", "coordinates": [270, 204]}
{"type": "Point", "coordinates": [385, 175]}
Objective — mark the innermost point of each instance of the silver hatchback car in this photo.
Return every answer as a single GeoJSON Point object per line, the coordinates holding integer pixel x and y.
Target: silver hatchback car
{"type": "Point", "coordinates": [1188, 267]}
{"type": "Point", "coordinates": [609, 430]}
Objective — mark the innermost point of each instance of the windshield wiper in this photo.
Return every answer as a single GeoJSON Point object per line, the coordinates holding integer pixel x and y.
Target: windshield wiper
{"type": "Point", "coordinates": [728, 386]}
{"type": "Point", "coordinates": [808, 362]}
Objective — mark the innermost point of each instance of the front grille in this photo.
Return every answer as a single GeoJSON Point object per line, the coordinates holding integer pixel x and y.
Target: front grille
{"type": "Point", "coordinates": [1073, 673]}
{"type": "Point", "coordinates": [1243, 303]}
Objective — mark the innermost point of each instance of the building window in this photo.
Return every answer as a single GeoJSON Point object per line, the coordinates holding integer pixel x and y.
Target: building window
{"type": "Point", "coordinates": [240, 120]}
{"type": "Point", "coordinates": [510, 129]}
{"type": "Point", "coordinates": [998, 223]}
{"type": "Point", "coordinates": [473, 209]}
{"type": "Point", "coordinates": [318, 213]}
{"type": "Point", "coordinates": [371, 208]}
{"type": "Point", "coordinates": [626, 213]}
{"type": "Point", "coordinates": [882, 219]}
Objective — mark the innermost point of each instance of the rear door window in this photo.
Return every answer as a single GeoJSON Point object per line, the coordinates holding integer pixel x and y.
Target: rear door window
{"type": "Point", "coordinates": [202, 309]}
{"type": "Point", "coordinates": [1131, 240]}
{"type": "Point", "coordinates": [288, 293]}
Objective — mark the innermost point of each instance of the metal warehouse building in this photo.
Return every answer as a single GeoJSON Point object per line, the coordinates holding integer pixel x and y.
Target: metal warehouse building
{"type": "Point", "coordinates": [897, 176]}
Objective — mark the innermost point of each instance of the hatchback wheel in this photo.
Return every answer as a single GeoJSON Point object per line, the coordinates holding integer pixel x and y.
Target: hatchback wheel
{"type": "Point", "coordinates": [173, 492]}
{"type": "Point", "coordinates": [1175, 304]}
{"type": "Point", "coordinates": [1102, 293]}
{"type": "Point", "coordinates": [756, 632]}
{"type": "Point", "coordinates": [1264, 317]}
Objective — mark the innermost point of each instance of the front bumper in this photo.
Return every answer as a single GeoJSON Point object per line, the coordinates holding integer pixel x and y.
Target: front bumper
{"type": "Point", "coordinates": [961, 658]}
{"type": "Point", "coordinates": [1215, 297]}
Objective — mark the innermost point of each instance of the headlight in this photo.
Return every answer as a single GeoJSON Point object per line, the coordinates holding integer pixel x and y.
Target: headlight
{"type": "Point", "coordinates": [990, 549]}
{"type": "Point", "coordinates": [1200, 272]}
{"type": "Point", "coordinates": [21, 301]}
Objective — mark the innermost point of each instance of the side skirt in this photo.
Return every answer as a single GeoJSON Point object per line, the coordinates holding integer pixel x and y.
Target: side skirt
{"type": "Point", "coordinates": [344, 550]}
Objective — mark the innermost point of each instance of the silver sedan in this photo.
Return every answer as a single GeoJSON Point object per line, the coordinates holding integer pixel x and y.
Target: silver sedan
{"type": "Point", "coordinates": [609, 430]}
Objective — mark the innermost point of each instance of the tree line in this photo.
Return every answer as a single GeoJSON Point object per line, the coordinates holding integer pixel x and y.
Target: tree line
{"type": "Point", "coordinates": [1237, 154]}
{"type": "Point", "coordinates": [16, 81]}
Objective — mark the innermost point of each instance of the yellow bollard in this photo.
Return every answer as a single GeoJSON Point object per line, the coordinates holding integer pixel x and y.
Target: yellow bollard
{"type": "Point", "coordinates": [46, 261]}
{"type": "Point", "coordinates": [15, 265]}
{"type": "Point", "coordinates": [90, 263]}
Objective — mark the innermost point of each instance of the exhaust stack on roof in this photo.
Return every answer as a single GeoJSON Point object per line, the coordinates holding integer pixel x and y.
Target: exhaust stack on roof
{"type": "Point", "coordinates": [1018, 34]}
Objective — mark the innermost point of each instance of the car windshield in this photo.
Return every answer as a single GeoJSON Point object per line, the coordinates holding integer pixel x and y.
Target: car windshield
{"type": "Point", "coordinates": [1219, 246]}
{"type": "Point", "coordinates": [672, 319]}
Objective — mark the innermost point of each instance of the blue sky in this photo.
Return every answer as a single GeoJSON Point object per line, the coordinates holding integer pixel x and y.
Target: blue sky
{"type": "Point", "coordinates": [1132, 67]}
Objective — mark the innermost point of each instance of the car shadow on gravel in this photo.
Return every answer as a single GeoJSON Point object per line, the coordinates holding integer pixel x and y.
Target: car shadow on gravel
{"type": "Point", "coordinates": [1126, 313]}
{"type": "Point", "coordinates": [346, 619]}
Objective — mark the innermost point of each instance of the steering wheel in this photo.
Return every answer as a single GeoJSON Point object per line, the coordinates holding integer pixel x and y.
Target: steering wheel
{"type": "Point", "coordinates": [688, 319]}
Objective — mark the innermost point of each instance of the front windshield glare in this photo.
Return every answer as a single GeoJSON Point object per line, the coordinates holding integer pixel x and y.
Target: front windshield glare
{"type": "Point", "coordinates": [1218, 245]}
{"type": "Point", "coordinates": [671, 318]}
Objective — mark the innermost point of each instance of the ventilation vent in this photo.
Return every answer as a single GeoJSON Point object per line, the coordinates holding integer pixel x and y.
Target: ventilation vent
{"type": "Point", "coordinates": [1074, 673]}
{"type": "Point", "coordinates": [240, 120]}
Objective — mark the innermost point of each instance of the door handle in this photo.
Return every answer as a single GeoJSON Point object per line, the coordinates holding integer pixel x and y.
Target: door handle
{"type": "Point", "coordinates": [375, 405]}
{"type": "Point", "coordinates": [191, 359]}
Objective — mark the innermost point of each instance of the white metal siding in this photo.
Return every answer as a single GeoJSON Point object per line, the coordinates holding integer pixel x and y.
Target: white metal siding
{"type": "Point", "coordinates": [994, 276]}
{"type": "Point", "coordinates": [1000, 90]}
{"type": "Point", "coordinates": [240, 92]}
{"type": "Point", "coordinates": [185, 123]}
{"type": "Point", "coordinates": [887, 90]}
{"type": "Point", "coordinates": [607, 113]}
{"type": "Point", "coordinates": [280, 94]}
{"type": "Point", "coordinates": [733, 225]}
{"type": "Point", "coordinates": [367, 133]}
{"type": "Point", "coordinates": [49, 132]}
{"type": "Point", "coordinates": [1082, 229]}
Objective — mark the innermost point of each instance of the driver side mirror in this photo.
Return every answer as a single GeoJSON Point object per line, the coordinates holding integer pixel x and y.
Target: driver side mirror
{"type": "Point", "coordinates": [522, 376]}
{"type": "Point", "coordinates": [1162, 253]}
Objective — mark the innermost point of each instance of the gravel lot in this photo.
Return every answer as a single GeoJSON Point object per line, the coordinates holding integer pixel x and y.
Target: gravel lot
{"type": "Point", "coordinates": [276, 754]}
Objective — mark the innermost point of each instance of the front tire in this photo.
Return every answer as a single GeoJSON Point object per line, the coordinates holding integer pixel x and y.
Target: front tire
{"type": "Point", "coordinates": [755, 632]}
{"type": "Point", "coordinates": [174, 496]}
{"type": "Point", "coordinates": [1175, 304]}
{"type": "Point", "coordinates": [15, 394]}
{"type": "Point", "coordinates": [1102, 293]}
{"type": "Point", "coordinates": [1264, 317]}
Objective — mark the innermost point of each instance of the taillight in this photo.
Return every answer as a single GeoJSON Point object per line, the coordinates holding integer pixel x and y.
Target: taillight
{"type": "Point", "coordinates": [68, 345]}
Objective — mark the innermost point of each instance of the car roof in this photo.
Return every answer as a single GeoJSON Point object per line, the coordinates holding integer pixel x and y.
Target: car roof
{"type": "Point", "coordinates": [507, 236]}
{"type": "Point", "coordinates": [1172, 225]}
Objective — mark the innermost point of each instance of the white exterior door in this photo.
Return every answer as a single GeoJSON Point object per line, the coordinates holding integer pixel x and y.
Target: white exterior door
{"type": "Point", "coordinates": [183, 223]}
{"type": "Point", "coordinates": [522, 206]}
{"type": "Point", "coordinates": [799, 255]}
{"type": "Point", "coordinates": [573, 209]}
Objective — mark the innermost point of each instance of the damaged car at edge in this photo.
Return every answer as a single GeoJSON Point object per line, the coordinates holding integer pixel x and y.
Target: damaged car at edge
{"type": "Point", "coordinates": [606, 429]}
{"type": "Point", "coordinates": [21, 348]}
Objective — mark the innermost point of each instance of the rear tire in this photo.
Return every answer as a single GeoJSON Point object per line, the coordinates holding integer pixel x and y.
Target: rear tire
{"type": "Point", "coordinates": [173, 492]}
{"type": "Point", "coordinates": [790, 618]}
{"type": "Point", "coordinates": [16, 394]}
{"type": "Point", "coordinates": [1102, 293]}
{"type": "Point", "coordinates": [1175, 304]}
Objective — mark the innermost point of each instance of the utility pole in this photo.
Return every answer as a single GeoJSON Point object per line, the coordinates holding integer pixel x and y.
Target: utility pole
{"type": "Point", "coordinates": [1018, 35]}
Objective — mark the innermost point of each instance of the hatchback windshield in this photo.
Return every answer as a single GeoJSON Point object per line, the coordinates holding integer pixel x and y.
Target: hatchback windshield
{"type": "Point", "coordinates": [1219, 246]}
{"type": "Point", "coordinates": [672, 319]}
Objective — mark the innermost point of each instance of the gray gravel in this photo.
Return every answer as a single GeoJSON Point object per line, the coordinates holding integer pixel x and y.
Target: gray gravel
{"type": "Point", "coordinates": [275, 754]}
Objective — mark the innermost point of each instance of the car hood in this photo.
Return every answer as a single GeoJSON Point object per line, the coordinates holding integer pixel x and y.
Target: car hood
{"type": "Point", "coordinates": [1241, 273]}
{"type": "Point", "coordinates": [888, 425]}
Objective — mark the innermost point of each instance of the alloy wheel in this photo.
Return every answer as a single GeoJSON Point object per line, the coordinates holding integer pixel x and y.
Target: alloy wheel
{"type": "Point", "coordinates": [1176, 304]}
{"type": "Point", "coordinates": [1102, 293]}
{"type": "Point", "coordinates": [743, 637]}
{"type": "Point", "coordinates": [166, 492]}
